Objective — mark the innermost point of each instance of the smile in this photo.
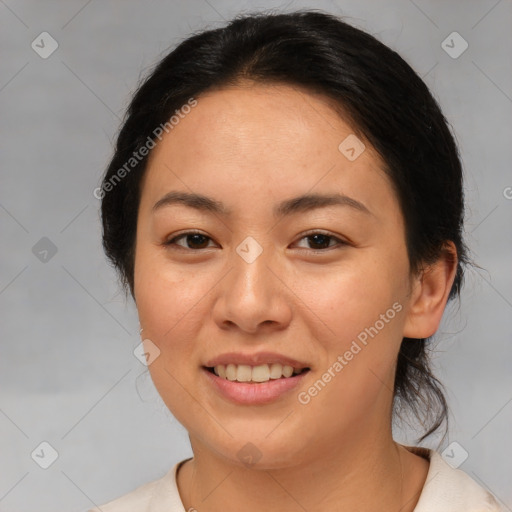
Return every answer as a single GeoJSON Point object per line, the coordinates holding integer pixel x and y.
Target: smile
{"type": "Point", "coordinates": [262, 385]}
{"type": "Point", "coordinates": [255, 374]}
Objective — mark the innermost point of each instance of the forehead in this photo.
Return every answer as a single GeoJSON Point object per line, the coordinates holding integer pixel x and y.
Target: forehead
{"type": "Point", "coordinates": [268, 141]}
{"type": "Point", "coordinates": [249, 116]}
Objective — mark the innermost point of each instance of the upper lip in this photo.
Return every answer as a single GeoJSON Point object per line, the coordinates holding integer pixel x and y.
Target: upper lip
{"type": "Point", "coordinates": [254, 359]}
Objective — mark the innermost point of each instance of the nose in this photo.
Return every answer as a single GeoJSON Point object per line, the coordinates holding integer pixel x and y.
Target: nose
{"type": "Point", "coordinates": [252, 297]}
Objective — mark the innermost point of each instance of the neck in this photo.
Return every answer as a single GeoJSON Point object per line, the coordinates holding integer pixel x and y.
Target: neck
{"type": "Point", "coordinates": [360, 475]}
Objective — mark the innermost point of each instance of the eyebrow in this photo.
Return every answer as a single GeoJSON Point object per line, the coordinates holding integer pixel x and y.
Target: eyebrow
{"type": "Point", "coordinates": [291, 206]}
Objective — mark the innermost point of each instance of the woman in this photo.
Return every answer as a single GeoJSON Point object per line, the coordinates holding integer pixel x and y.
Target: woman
{"type": "Point", "coordinates": [285, 206]}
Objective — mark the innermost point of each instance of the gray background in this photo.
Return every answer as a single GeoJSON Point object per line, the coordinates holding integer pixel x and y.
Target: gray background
{"type": "Point", "coordinates": [68, 375]}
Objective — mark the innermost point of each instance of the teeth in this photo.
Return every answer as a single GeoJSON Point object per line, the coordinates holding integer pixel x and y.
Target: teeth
{"type": "Point", "coordinates": [276, 371]}
{"type": "Point", "coordinates": [243, 373]}
{"type": "Point", "coordinates": [261, 373]}
{"type": "Point", "coordinates": [230, 372]}
{"type": "Point", "coordinates": [221, 371]}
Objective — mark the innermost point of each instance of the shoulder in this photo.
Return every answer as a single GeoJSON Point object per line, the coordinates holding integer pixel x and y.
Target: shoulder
{"type": "Point", "coordinates": [447, 489]}
{"type": "Point", "coordinates": [161, 494]}
{"type": "Point", "coordinates": [136, 500]}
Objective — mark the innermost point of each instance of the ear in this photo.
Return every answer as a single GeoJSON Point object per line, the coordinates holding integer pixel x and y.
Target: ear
{"type": "Point", "coordinates": [429, 295]}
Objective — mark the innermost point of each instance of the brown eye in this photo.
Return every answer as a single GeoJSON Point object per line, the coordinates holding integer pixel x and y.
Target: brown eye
{"type": "Point", "coordinates": [320, 241]}
{"type": "Point", "coordinates": [192, 240]}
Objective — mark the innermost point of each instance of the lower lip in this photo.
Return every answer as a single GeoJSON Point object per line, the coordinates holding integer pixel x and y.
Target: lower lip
{"type": "Point", "coordinates": [246, 393]}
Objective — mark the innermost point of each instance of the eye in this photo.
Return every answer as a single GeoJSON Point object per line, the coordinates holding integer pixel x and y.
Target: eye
{"type": "Point", "coordinates": [321, 241]}
{"type": "Point", "coordinates": [192, 240]}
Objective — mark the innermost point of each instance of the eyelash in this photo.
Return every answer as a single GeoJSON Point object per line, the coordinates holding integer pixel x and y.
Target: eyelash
{"type": "Point", "coordinates": [172, 242]}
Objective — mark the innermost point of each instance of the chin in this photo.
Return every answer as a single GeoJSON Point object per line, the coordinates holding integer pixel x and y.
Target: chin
{"type": "Point", "coordinates": [260, 453]}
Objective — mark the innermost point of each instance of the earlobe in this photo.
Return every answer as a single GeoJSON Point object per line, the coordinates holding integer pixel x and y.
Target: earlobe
{"type": "Point", "coordinates": [430, 295]}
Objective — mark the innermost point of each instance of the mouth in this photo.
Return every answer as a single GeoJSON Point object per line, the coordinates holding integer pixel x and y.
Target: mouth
{"type": "Point", "coordinates": [263, 384]}
{"type": "Point", "coordinates": [255, 374]}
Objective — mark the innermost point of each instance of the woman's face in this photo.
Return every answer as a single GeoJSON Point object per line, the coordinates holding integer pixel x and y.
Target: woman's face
{"type": "Point", "coordinates": [285, 269]}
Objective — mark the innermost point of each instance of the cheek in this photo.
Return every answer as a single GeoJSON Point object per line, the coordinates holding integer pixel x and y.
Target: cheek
{"type": "Point", "coordinates": [349, 299]}
{"type": "Point", "coordinates": [163, 298]}
{"type": "Point", "coordinates": [362, 321]}
{"type": "Point", "coordinates": [169, 312]}
{"type": "Point", "coordinates": [362, 309]}
{"type": "Point", "coordinates": [167, 304]}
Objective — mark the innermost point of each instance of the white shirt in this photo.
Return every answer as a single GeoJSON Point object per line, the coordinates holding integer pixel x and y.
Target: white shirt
{"type": "Point", "coordinates": [445, 490]}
